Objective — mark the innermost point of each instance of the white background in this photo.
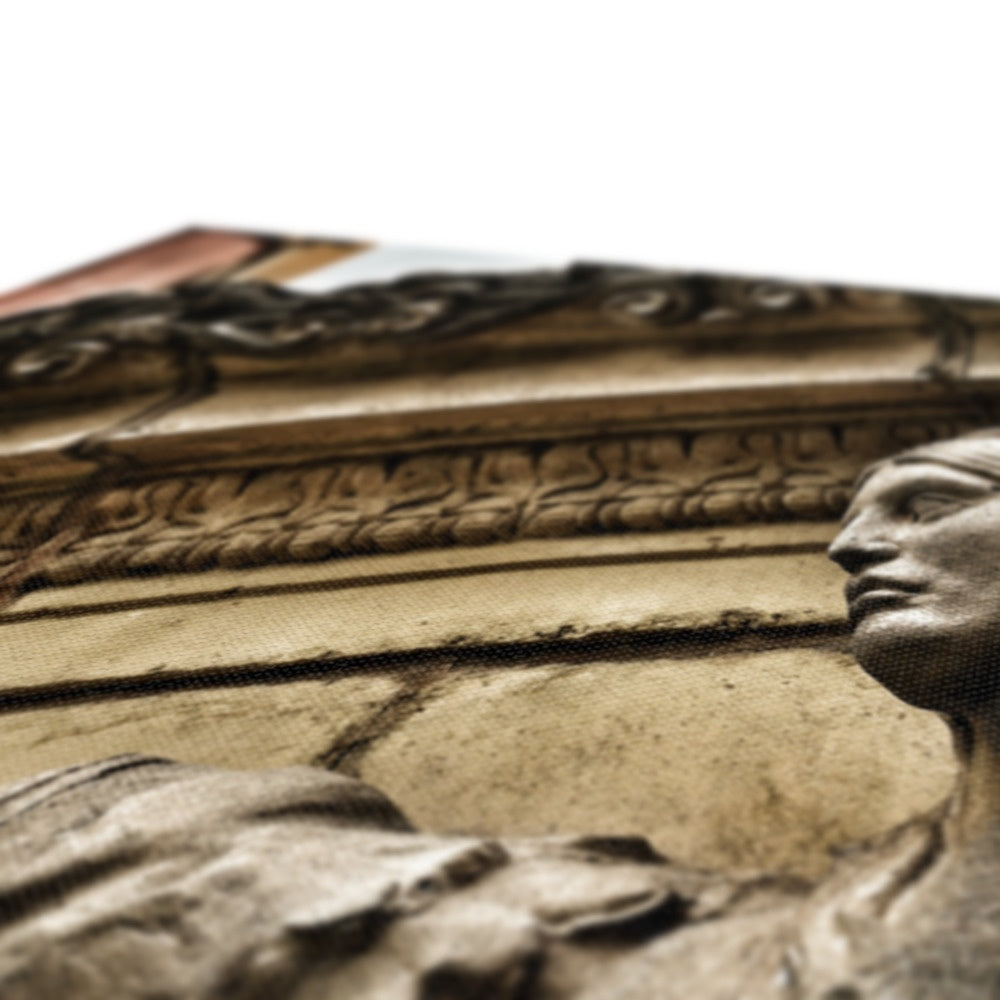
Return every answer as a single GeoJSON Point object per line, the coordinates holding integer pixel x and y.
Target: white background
{"type": "Point", "coordinates": [848, 141]}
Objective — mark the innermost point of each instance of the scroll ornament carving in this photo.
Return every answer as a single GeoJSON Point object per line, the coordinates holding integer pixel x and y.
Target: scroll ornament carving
{"type": "Point", "coordinates": [460, 497]}
{"type": "Point", "coordinates": [260, 320]}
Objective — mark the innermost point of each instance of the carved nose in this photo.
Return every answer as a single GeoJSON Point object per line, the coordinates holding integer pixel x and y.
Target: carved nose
{"type": "Point", "coordinates": [853, 552]}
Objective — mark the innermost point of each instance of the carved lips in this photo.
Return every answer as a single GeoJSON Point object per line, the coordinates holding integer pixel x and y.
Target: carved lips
{"type": "Point", "coordinates": [872, 592]}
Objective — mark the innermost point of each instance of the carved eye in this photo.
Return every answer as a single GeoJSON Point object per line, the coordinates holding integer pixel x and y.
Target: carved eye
{"type": "Point", "coordinates": [924, 507]}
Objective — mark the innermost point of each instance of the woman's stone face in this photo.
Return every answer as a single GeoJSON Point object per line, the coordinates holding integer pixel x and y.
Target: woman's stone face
{"type": "Point", "coordinates": [922, 544]}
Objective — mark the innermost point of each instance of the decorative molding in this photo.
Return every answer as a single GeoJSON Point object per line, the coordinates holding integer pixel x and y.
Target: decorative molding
{"type": "Point", "coordinates": [121, 521]}
{"type": "Point", "coordinates": [210, 321]}
{"type": "Point", "coordinates": [472, 496]}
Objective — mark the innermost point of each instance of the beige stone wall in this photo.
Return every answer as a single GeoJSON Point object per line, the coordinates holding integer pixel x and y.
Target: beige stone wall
{"type": "Point", "coordinates": [536, 555]}
{"type": "Point", "coordinates": [690, 686]}
{"type": "Point", "coordinates": [740, 759]}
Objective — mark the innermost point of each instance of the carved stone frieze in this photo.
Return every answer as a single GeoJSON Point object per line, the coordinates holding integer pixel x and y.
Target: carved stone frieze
{"type": "Point", "coordinates": [175, 347]}
{"type": "Point", "coordinates": [320, 510]}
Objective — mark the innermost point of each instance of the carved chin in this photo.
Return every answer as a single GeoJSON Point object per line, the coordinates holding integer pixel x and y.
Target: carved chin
{"type": "Point", "coordinates": [927, 668]}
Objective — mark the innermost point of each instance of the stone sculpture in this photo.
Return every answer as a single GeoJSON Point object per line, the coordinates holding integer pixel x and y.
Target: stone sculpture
{"type": "Point", "coordinates": [138, 878]}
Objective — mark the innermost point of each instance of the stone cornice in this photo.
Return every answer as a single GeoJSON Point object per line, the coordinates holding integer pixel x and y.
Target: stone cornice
{"type": "Point", "coordinates": [197, 333]}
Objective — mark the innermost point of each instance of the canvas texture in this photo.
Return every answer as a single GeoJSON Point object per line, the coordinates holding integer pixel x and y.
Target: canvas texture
{"type": "Point", "coordinates": [382, 623]}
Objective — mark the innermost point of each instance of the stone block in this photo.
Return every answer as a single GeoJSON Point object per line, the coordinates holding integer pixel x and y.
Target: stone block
{"type": "Point", "coordinates": [739, 761]}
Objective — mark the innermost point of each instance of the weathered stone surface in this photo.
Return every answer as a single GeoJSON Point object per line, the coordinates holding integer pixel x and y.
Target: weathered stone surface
{"type": "Point", "coordinates": [294, 617]}
{"type": "Point", "coordinates": [721, 541]}
{"type": "Point", "coordinates": [135, 873]}
{"type": "Point", "coordinates": [135, 877]}
{"type": "Point", "coordinates": [738, 761]}
{"type": "Point", "coordinates": [263, 725]}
